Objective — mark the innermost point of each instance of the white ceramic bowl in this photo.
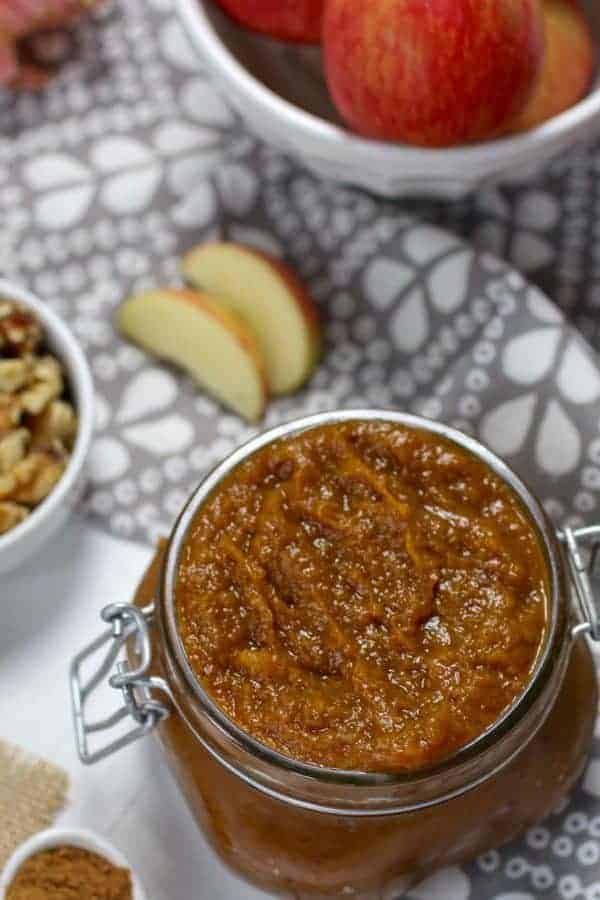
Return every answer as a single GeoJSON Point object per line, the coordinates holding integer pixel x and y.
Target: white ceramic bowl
{"type": "Point", "coordinates": [58, 837]}
{"type": "Point", "coordinates": [280, 91]}
{"type": "Point", "coordinates": [27, 538]}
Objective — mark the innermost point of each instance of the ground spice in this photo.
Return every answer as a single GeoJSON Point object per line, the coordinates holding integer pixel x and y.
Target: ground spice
{"type": "Point", "coordinates": [70, 873]}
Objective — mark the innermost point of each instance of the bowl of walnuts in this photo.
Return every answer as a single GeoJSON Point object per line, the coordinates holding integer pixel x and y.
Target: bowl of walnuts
{"type": "Point", "coordinates": [46, 423]}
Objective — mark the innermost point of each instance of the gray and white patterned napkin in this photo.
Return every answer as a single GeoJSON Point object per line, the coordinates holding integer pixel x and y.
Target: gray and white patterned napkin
{"type": "Point", "coordinates": [132, 156]}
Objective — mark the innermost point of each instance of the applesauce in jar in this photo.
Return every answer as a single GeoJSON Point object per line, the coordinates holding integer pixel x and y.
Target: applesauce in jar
{"type": "Point", "coordinates": [362, 596]}
{"type": "Point", "coordinates": [367, 631]}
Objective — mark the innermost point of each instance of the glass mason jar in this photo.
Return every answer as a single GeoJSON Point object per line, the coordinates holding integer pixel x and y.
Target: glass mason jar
{"type": "Point", "coordinates": [301, 830]}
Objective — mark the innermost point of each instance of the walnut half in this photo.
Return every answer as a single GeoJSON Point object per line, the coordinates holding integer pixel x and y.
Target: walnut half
{"type": "Point", "coordinates": [20, 331]}
{"type": "Point", "coordinates": [13, 448]}
{"type": "Point", "coordinates": [11, 514]}
{"type": "Point", "coordinates": [34, 477]}
{"type": "Point", "coordinates": [55, 427]}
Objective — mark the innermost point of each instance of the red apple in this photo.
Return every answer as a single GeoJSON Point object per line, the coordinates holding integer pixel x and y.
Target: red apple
{"type": "Point", "coordinates": [568, 65]}
{"type": "Point", "coordinates": [291, 20]}
{"type": "Point", "coordinates": [432, 72]}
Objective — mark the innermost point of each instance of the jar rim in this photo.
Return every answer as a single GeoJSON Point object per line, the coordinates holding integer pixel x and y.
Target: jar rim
{"type": "Point", "coordinates": [510, 717]}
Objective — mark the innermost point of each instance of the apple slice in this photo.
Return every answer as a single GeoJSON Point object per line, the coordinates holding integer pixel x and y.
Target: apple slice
{"type": "Point", "coordinates": [269, 297]}
{"type": "Point", "coordinates": [210, 343]}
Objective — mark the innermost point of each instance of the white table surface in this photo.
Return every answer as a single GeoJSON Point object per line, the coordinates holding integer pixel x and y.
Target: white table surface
{"type": "Point", "coordinates": [48, 611]}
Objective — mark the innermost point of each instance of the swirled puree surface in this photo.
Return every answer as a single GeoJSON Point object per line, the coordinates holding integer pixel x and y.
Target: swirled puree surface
{"type": "Point", "coordinates": [363, 596]}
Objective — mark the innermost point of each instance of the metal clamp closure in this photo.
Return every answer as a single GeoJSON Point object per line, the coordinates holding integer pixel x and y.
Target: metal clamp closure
{"type": "Point", "coordinates": [135, 684]}
{"type": "Point", "coordinates": [582, 547]}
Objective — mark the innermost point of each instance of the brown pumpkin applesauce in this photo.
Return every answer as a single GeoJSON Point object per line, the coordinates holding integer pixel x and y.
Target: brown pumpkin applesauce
{"type": "Point", "coordinates": [362, 596]}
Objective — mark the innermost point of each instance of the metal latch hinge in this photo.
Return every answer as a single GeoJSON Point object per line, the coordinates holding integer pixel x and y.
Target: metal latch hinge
{"type": "Point", "coordinates": [582, 548]}
{"type": "Point", "coordinates": [136, 686]}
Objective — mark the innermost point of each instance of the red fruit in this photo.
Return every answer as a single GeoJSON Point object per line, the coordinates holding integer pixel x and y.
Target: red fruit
{"type": "Point", "coordinates": [568, 65]}
{"type": "Point", "coordinates": [432, 72]}
{"type": "Point", "coordinates": [291, 20]}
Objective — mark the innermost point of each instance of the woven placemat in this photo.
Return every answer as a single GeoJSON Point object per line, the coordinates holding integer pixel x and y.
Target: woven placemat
{"type": "Point", "coordinates": [32, 793]}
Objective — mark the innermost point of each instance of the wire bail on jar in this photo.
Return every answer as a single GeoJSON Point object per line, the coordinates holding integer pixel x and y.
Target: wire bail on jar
{"type": "Point", "coordinates": [582, 547]}
{"type": "Point", "coordinates": [136, 686]}
{"type": "Point", "coordinates": [127, 623]}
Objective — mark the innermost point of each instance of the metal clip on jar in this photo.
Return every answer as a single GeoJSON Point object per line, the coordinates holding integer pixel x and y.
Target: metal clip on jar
{"type": "Point", "coordinates": [293, 827]}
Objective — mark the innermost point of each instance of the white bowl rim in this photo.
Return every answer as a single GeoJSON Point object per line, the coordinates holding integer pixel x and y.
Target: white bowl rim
{"type": "Point", "coordinates": [79, 373]}
{"type": "Point", "coordinates": [74, 837]}
{"type": "Point", "coordinates": [444, 161]}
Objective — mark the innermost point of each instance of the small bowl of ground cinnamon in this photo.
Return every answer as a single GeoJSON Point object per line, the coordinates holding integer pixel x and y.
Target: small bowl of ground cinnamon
{"type": "Point", "coordinates": [61, 864]}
